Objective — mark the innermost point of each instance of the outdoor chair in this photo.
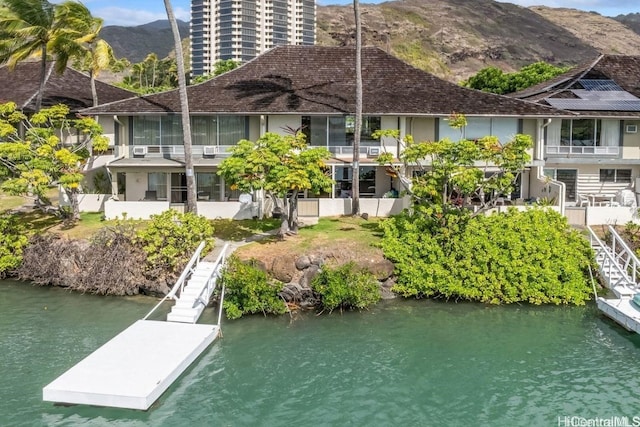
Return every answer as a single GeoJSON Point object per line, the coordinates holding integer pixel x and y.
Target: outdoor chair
{"type": "Point", "coordinates": [583, 200]}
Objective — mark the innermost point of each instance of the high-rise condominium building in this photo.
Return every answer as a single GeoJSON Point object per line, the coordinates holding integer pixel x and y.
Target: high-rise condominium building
{"type": "Point", "coordinates": [242, 29]}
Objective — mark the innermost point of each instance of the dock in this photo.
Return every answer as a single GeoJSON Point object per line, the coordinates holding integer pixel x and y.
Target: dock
{"type": "Point", "coordinates": [137, 366]}
{"type": "Point", "coordinates": [133, 369]}
{"type": "Point", "coordinates": [619, 269]}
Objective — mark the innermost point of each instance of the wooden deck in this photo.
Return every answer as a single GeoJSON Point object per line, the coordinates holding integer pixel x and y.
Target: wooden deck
{"type": "Point", "coordinates": [133, 369]}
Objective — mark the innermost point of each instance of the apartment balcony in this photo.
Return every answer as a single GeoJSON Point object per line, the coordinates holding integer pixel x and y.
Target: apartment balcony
{"type": "Point", "coordinates": [581, 151]}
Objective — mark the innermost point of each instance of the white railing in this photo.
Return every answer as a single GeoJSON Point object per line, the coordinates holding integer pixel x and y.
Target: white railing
{"type": "Point", "coordinates": [582, 150]}
{"type": "Point", "coordinates": [206, 292]}
{"type": "Point", "coordinates": [179, 285]}
{"type": "Point", "coordinates": [625, 255]}
{"type": "Point", "coordinates": [612, 266]}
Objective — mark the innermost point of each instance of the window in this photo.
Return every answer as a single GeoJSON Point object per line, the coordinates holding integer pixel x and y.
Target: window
{"type": "Point", "coordinates": [339, 130]}
{"type": "Point", "coordinates": [580, 133]}
{"type": "Point", "coordinates": [615, 175]}
{"type": "Point", "coordinates": [157, 130]}
{"type": "Point", "coordinates": [208, 186]}
{"type": "Point", "coordinates": [502, 128]}
{"type": "Point", "coordinates": [218, 130]}
{"type": "Point", "coordinates": [157, 182]}
{"type": "Point", "coordinates": [344, 178]}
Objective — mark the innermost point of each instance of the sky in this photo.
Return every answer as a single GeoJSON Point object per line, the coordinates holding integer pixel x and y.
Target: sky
{"type": "Point", "coordinates": [136, 12]}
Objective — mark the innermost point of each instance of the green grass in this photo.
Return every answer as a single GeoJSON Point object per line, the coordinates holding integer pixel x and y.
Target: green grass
{"type": "Point", "coordinates": [354, 229]}
{"type": "Point", "coordinates": [10, 202]}
{"type": "Point", "coordinates": [227, 229]}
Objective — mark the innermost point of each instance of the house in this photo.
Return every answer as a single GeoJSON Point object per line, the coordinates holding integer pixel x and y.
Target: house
{"type": "Point", "coordinates": [310, 88]}
{"type": "Point", "coordinates": [596, 152]}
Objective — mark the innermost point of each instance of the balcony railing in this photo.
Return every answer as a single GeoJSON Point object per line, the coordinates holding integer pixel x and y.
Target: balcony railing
{"type": "Point", "coordinates": [563, 150]}
{"type": "Point", "coordinates": [169, 151]}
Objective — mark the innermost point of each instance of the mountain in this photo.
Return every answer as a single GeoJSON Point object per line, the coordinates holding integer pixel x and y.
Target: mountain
{"type": "Point", "coordinates": [631, 20]}
{"type": "Point", "coordinates": [450, 38]}
{"type": "Point", "coordinates": [455, 38]}
{"type": "Point", "coordinates": [135, 43]}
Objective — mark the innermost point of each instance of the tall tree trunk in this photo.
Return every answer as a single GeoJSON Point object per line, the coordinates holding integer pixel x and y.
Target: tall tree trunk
{"type": "Point", "coordinates": [192, 205]}
{"type": "Point", "coordinates": [94, 91]}
{"type": "Point", "coordinates": [43, 75]}
{"type": "Point", "coordinates": [355, 186]}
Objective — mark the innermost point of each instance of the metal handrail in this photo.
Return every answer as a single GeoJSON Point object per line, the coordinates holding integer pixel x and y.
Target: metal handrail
{"type": "Point", "coordinates": [211, 280]}
{"type": "Point", "coordinates": [612, 260]}
{"type": "Point", "coordinates": [195, 258]}
{"type": "Point", "coordinates": [627, 250]}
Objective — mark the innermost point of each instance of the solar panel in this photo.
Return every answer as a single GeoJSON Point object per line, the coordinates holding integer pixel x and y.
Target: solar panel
{"type": "Point", "coordinates": [605, 95]}
{"type": "Point", "coordinates": [594, 105]}
{"type": "Point", "coordinates": [599, 85]}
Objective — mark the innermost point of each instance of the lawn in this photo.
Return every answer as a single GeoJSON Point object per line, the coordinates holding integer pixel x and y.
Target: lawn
{"type": "Point", "coordinates": [339, 236]}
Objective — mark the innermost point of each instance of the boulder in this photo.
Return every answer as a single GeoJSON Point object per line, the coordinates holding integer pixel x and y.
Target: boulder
{"type": "Point", "coordinates": [303, 262]}
{"type": "Point", "coordinates": [381, 268]}
{"type": "Point", "coordinates": [308, 276]}
{"type": "Point", "coordinates": [283, 268]}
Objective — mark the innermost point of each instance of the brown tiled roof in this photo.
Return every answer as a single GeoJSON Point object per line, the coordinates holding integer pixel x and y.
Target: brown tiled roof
{"type": "Point", "coordinates": [316, 79]}
{"type": "Point", "coordinates": [623, 70]}
{"type": "Point", "coordinates": [72, 88]}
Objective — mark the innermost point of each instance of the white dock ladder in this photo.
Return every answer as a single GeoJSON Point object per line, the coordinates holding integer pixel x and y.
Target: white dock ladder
{"type": "Point", "coordinates": [194, 288]}
{"type": "Point", "coordinates": [618, 265]}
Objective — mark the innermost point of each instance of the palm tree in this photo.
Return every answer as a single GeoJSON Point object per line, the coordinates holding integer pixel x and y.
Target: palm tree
{"type": "Point", "coordinates": [184, 106]}
{"type": "Point", "coordinates": [355, 186]}
{"type": "Point", "coordinates": [80, 39]}
{"type": "Point", "coordinates": [26, 28]}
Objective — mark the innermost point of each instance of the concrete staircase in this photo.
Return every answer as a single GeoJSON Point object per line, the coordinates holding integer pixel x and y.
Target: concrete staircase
{"type": "Point", "coordinates": [195, 295]}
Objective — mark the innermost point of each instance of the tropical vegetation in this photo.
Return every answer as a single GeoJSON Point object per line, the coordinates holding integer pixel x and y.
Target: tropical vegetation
{"type": "Point", "coordinates": [493, 79]}
{"type": "Point", "coordinates": [282, 167]}
{"type": "Point", "coordinates": [45, 150]}
{"type": "Point", "coordinates": [249, 290]}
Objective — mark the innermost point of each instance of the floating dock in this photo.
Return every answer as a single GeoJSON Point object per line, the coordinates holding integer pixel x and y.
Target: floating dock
{"type": "Point", "coordinates": [619, 268]}
{"type": "Point", "coordinates": [133, 369]}
{"type": "Point", "coordinates": [622, 311]}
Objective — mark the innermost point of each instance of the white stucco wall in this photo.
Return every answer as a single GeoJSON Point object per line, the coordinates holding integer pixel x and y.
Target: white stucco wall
{"type": "Point", "coordinates": [133, 210]}
{"type": "Point", "coordinates": [611, 215]}
{"type": "Point", "coordinates": [228, 210]}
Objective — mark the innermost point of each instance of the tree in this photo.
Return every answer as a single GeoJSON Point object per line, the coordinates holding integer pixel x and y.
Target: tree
{"type": "Point", "coordinates": [355, 186]}
{"type": "Point", "coordinates": [46, 149]}
{"type": "Point", "coordinates": [450, 174]}
{"type": "Point", "coordinates": [26, 28]}
{"type": "Point", "coordinates": [192, 205]}
{"type": "Point", "coordinates": [282, 166]}
{"type": "Point", "coordinates": [492, 79]}
{"type": "Point", "coordinates": [80, 39]}
{"type": "Point", "coordinates": [220, 67]}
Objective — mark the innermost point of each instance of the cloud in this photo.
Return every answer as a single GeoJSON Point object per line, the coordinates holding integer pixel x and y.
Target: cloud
{"type": "Point", "coordinates": [132, 17]}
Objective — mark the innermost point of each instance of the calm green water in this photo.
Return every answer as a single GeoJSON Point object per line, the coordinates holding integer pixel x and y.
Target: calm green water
{"type": "Point", "coordinates": [402, 363]}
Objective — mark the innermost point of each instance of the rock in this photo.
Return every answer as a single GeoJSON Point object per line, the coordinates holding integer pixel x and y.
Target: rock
{"type": "Point", "coordinates": [308, 276]}
{"type": "Point", "coordinates": [303, 262]}
{"type": "Point", "coordinates": [365, 216]}
{"type": "Point", "coordinates": [381, 268]}
{"type": "Point", "coordinates": [284, 268]}
{"type": "Point", "coordinates": [316, 259]}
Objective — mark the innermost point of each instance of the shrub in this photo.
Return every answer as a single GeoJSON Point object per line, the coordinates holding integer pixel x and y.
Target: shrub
{"type": "Point", "coordinates": [12, 243]}
{"type": "Point", "coordinates": [171, 238]}
{"type": "Point", "coordinates": [248, 290]}
{"type": "Point", "coordinates": [531, 256]}
{"type": "Point", "coordinates": [346, 287]}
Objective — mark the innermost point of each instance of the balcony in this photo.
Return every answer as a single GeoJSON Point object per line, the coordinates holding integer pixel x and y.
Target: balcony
{"type": "Point", "coordinates": [581, 151]}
